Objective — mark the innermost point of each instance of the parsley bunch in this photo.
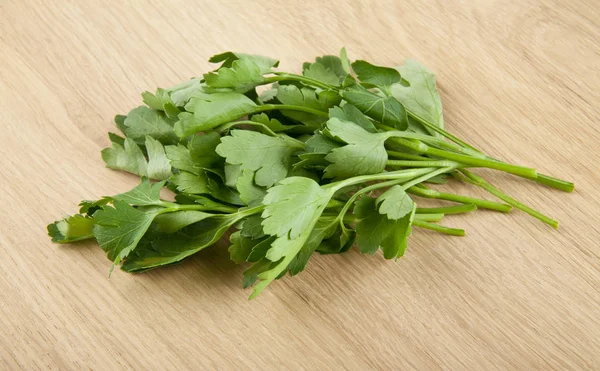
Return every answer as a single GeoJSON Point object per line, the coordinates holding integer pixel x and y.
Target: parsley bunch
{"type": "Point", "coordinates": [294, 164]}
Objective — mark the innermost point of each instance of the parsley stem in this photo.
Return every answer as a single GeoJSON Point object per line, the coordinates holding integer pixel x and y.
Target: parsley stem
{"type": "Point", "coordinates": [438, 228]}
{"type": "Point", "coordinates": [172, 207]}
{"type": "Point", "coordinates": [407, 156]}
{"type": "Point", "coordinates": [429, 217]}
{"type": "Point", "coordinates": [480, 203]}
{"type": "Point", "coordinates": [543, 179]}
{"type": "Point", "coordinates": [465, 159]}
{"type": "Point", "coordinates": [435, 141]}
{"type": "Point", "coordinates": [229, 125]}
{"type": "Point", "coordinates": [399, 175]}
{"type": "Point", "coordinates": [427, 176]}
{"type": "Point", "coordinates": [553, 182]}
{"type": "Point", "coordinates": [447, 210]}
{"type": "Point", "coordinates": [289, 107]}
{"type": "Point", "coordinates": [421, 163]}
{"type": "Point", "coordinates": [479, 181]}
{"type": "Point", "coordinates": [283, 76]}
{"type": "Point", "coordinates": [427, 173]}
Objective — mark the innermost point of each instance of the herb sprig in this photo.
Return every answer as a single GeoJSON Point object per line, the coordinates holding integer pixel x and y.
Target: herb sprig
{"type": "Point", "coordinates": [316, 162]}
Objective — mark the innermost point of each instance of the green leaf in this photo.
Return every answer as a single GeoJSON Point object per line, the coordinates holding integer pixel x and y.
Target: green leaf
{"type": "Point", "coordinates": [173, 222]}
{"type": "Point", "coordinates": [250, 275]}
{"type": "Point", "coordinates": [291, 206]}
{"type": "Point", "coordinates": [243, 75]}
{"type": "Point", "coordinates": [386, 110]}
{"type": "Point", "coordinates": [265, 64]}
{"type": "Point", "coordinates": [252, 227]}
{"type": "Point", "coordinates": [260, 249]}
{"type": "Point", "coordinates": [307, 97]}
{"type": "Point", "coordinates": [319, 72]}
{"type": "Point", "coordinates": [118, 229]}
{"type": "Point", "coordinates": [271, 123]}
{"type": "Point", "coordinates": [421, 97]}
{"type": "Point", "coordinates": [74, 228]}
{"type": "Point", "coordinates": [364, 154]}
{"type": "Point", "coordinates": [186, 182]}
{"type": "Point", "coordinates": [128, 157]}
{"type": "Point", "coordinates": [333, 63]}
{"type": "Point", "coordinates": [180, 94]}
{"type": "Point", "coordinates": [250, 193]}
{"type": "Point", "coordinates": [198, 155]}
{"type": "Point", "coordinates": [158, 163]}
{"type": "Point", "coordinates": [240, 248]}
{"type": "Point", "coordinates": [172, 248]}
{"type": "Point", "coordinates": [120, 124]}
{"type": "Point", "coordinates": [377, 230]}
{"type": "Point", "coordinates": [145, 194]}
{"type": "Point", "coordinates": [395, 203]}
{"type": "Point", "coordinates": [319, 143]}
{"type": "Point", "coordinates": [322, 230]}
{"type": "Point", "coordinates": [371, 75]}
{"type": "Point", "coordinates": [143, 121]}
{"type": "Point", "coordinates": [212, 111]}
{"type": "Point", "coordinates": [204, 183]}
{"type": "Point", "coordinates": [269, 156]}
{"type": "Point", "coordinates": [345, 62]}
{"type": "Point", "coordinates": [348, 112]}
{"type": "Point", "coordinates": [158, 100]}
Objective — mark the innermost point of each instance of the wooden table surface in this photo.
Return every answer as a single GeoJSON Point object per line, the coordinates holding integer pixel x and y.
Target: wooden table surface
{"type": "Point", "coordinates": [518, 79]}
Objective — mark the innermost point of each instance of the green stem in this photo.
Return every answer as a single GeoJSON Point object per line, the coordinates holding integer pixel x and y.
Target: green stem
{"type": "Point", "coordinates": [421, 163]}
{"type": "Point", "coordinates": [465, 159]}
{"type": "Point", "coordinates": [438, 228]}
{"type": "Point", "coordinates": [224, 127]}
{"type": "Point", "coordinates": [479, 181]}
{"type": "Point", "coordinates": [284, 76]}
{"type": "Point", "coordinates": [480, 203]}
{"type": "Point", "coordinates": [543, 179]}
{"type": "Point", "coordinates": [172, 207]}
{"type": "Point", "coordinates": [443, 132]}
{"type": "Point", "coordinates": [467, 208]}
{"type": "Point", "coordinates": [288, 107]}
{"type": "Point", "coordinates": [401, 175]}
{"type": "Point", "coordinates": [429, 217]}
{"type": "Point", "coordinates": [553, 182]}
{"type": "Point", "coordinates": [435, 141]}
{"type": "Point", "coordinates": [406, 156]}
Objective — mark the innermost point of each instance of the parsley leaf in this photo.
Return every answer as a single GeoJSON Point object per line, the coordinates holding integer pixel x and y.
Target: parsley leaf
{"type": "Point", "coordinates": [372, 76]}
{"type": "Point", "coordinates": [348, 112]}
{"type": "Point", "coordinates": [319, 72]}
{"type": "Point", "coordinates": [386, 110]}
{"type": "Point", "coordinates": [129, 157]}
{"type": "Point", "coordinates": [242, 76]}
{"type": "Point", "coordinates": [269, 156]}
{"type": "Point", "coordinates": [421, 97]}
{"type": "Point", "coordinates": [74, 228]}
{"type": "Point", "coordinates": [290, 205]}
{"type": "Point", "coordinates": [172, 248]}
{"type": "Point", "coordinates": [250, 193]}
{"type": "Point", "coordinates": [143, 121]}
{"type": "Point", "coordinates": [395, 203]}
{"type": "Point", "coordinates": [145, 194]}
{"type": "Point", "coordinates": [364, 154]}
{"type": "Point", "coordinates": [376, 229]}
{"type": "Point", "coordinates": [307, 97]}
{"type": "Point", "coordinates": [119, 228]}
{"type": "Point", "coordinates": [211, 111]}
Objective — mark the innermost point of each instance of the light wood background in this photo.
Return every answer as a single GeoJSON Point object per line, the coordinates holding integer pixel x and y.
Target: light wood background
{"type": "Point", "coordinates": [519, 79]}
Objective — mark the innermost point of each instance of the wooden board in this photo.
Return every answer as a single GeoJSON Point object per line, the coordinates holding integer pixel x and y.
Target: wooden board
{"type": "Point", "coordinates": [519, 79]}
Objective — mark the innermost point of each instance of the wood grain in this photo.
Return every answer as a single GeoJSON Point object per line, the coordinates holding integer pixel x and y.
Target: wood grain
{"type": "Point", "coordinates": [519, 79]}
